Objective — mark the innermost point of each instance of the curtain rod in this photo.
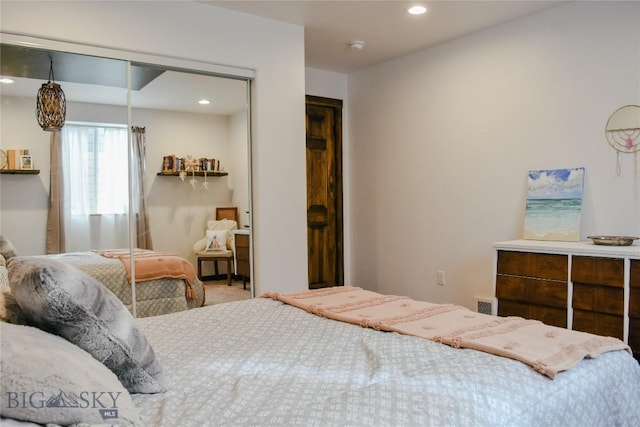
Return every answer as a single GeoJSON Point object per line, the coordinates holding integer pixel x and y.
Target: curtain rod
{"type": "Point", "coordinates": [96, 124]}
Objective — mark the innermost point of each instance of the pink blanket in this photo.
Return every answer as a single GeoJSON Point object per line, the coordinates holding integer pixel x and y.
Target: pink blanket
{"type": "Point", "coordinates": [548, 349]}
{"type": "Point", "coordinates": [151, 265]}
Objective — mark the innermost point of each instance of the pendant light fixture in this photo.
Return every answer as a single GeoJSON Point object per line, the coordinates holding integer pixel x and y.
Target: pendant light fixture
{"type": "Point", "coordinates": [51, 106]}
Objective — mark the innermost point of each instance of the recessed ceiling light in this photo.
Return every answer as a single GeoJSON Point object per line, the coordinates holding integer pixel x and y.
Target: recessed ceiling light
{"type": "Point", "coordinates": [417, 10]}
{"type": "Point", "coordinates": [204, 102]}
{"type": "Point", "coordinates": [6, 80]}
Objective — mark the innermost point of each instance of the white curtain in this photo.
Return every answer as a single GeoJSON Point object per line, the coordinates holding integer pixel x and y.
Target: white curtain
{"type": "Point", "coordinates": [94, 165]}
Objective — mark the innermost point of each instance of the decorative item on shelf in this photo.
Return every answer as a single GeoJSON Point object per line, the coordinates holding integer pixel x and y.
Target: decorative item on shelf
{"type": "Point", "coordinates": [3, 159]}
{"type": "Point", "coordinates": [169, 163]}
{"type": "Point", "coordinates": [623, 133]}
{"type": "Point", "coordinates": [205, 184]}
{"type": "Point", "coordinates": [210, 165]}
{"type": "Point", "coordinates": [14, 158]}
{"type": "Point", "coordinates": [183, 166]}
{"type": "Point", "coordinates": [26, 162]}
{"type": "Point", "coordinates": [51, 105]}
{"type": "Point", "coordinates": [612, 240]}
{"type": "Point", "coordinates": [191, 165]}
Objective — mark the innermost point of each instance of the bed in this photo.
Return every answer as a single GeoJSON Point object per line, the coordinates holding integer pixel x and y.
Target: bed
{"type": "Point", "coordinates": [153, 297]}
{"type": "Point", "coordinates": [264, 362]}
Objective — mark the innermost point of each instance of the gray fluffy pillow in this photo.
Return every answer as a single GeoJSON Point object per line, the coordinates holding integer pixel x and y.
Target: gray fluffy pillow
{"type": "Point", "coordinates": [46, 379]}
{"type": "Point", "coordinates": [63, 300]}
{"type": "Point", "coordinates": [7, 250]}
{"type": "Point", "coordinates": [10, 310]}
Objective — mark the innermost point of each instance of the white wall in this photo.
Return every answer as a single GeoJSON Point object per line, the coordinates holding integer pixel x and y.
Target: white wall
{"type": "Point", "coordinates": [441, 142]}
{"type": "Point", "coordinates": [200, 32]}
{"type": "Point", "coordinates": [178, 212]}
{"type": "Point", "coordinates": [24, 198]}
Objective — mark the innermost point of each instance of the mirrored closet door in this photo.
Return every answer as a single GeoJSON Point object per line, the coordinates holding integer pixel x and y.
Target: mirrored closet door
{"type": "Point", "coordinates": [169, 143]}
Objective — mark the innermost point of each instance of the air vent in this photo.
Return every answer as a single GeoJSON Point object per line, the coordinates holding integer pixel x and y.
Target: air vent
{"type": "Point", "coordinates": [484, 306]}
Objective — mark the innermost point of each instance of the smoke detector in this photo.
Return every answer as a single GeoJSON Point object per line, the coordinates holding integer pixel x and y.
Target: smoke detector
{"type": "Point", "coordinates": [356, 45]}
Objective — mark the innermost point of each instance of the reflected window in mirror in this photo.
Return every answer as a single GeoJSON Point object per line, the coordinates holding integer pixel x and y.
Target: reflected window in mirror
{"type": "Point", "coordinates": [95, 186]}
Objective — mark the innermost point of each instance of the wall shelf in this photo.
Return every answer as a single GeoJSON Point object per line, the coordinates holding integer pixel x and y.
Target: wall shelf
{"type": "Point", "coordinates": [20, 171]}
{"type": "Point", "coordinates": [196, 173]}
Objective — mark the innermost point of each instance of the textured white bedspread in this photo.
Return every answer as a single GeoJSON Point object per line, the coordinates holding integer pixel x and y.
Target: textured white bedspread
{"type": "Point", "coordinates": [263, 363]}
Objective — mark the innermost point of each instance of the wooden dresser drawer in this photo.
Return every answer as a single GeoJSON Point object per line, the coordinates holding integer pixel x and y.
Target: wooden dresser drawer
{"type": "Point", "coordinates": [242, 240]}
{"type": "Point", "coordinates": [634, 308]}
{"type": "Point", "coordinates": [634, 276]}
{"type": "Point", "coordinates": [598, 323]}
{"type": "Point", "coordinates": [634, 335]}
{"type": "Point", "coordinates": [244, 268]}
{"type": "Point", "coordinates": [536, 291]}
{"type": "Point", "coordinates": [550, 315]}
{"type": "Point", "coordinates": [533, 286]}
{"type": "Point", "coordinates": [534, 280]}
{"type": "Point", "coordinates": [528, 264]}
{"type": "Point", "coordinates": [243, 264]}
{"type": "Point", "coordinates": [634, 302]}
{"type": "Point", "coordinates": [600, 271]}
{"type": "Point", "coordinates": [602, 299]}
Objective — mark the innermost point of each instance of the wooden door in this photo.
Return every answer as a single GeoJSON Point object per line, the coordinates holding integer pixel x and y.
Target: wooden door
{"type": "Point", "coordinates": [324, 192]}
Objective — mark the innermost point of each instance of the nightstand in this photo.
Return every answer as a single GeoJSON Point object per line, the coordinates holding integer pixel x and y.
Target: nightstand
{"type": "Point", "coordinates": [242, 257]}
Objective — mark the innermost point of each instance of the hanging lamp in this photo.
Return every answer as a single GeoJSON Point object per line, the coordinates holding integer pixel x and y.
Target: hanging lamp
{"type": "Point", "coordinates": [51, 106]}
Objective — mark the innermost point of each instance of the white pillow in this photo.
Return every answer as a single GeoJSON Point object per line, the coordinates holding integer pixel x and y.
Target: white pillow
{"type": "Point", "coordinates": [221, 224]}
{"type": "Point", "coordinates": [46, 379]}
{"type": "Point", "coordinates": [217, 240]}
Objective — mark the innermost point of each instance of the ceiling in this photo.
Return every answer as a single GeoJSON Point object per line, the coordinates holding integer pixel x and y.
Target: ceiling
{"type": "Point", "coordinates": [96, 80]}
{"type": "Point", "coordinates": [385, 27]}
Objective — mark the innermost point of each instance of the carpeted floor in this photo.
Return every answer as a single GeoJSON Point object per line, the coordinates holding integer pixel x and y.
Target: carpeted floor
{"type": "Point", "coordinates": [217, 291]}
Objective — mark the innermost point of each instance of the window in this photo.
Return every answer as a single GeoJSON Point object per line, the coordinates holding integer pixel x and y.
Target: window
{"type": "Point", "coordinates": [95, 165]}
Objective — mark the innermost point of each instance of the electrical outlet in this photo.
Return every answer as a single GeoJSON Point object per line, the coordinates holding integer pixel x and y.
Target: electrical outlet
{"type": "Point", "coordinates": [440, 277]}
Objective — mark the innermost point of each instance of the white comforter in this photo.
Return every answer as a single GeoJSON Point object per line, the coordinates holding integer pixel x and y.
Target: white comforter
{"type": "Point", "coordinates": [262, 363]}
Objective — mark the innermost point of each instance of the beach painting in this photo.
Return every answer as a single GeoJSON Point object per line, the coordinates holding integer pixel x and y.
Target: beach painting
{"type": "Point", "coordinates": [554, 205]}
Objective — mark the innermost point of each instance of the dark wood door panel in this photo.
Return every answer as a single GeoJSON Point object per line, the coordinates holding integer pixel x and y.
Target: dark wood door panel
{"type": "Point", "coordinates": [544, 266]}
{"type": "Point", "coordinates": [324, 192]}
{"type": "Point", "coordinates": [597, 270]}
{"type": "Point", "coordinates": [317, 256]}
{"type": "Point", "coordinates": [317, 216]}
